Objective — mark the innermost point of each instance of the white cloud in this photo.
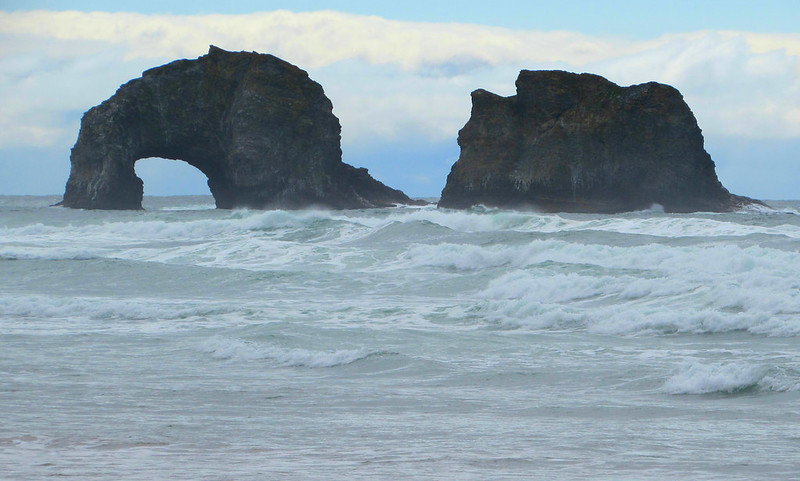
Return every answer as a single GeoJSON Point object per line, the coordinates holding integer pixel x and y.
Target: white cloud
{"type": "Point", "coordinates": [311, 39]}
{"type": "Point", "coordinates": [732, 88]}
{"type": "Point", "coordinates": [387, 79]}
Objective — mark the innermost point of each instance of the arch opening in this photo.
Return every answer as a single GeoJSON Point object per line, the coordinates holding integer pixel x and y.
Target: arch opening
{"type": "Point", "coordinates": [168, 178]}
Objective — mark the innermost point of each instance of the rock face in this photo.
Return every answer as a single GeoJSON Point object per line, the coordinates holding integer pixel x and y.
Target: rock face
{"type": "Point", "coordinates": [261, 131]}
{"type": "Point", "coordinates": [579, 143]}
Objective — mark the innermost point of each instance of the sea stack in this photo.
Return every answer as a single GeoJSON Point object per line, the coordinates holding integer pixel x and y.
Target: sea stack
{"type": "Point", "coordinates": [571, 142]}
{"type": "Point", "coordinates": [258, 127]}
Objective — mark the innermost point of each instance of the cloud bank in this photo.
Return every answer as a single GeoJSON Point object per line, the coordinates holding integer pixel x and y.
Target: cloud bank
{"type": "Point", "coordinates": [388, 80]}
{"type": "Point", "coordinates": [388, 75]}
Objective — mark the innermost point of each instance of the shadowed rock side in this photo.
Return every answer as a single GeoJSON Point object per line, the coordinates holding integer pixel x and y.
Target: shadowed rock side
{"type": "Point", "coordinates": [579, 143]}
{"type": "Point", "coordinates": [261, 131]}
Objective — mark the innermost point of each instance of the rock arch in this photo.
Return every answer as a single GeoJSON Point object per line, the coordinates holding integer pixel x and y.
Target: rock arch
{"type": "Point", "coordinates": [259, 128]}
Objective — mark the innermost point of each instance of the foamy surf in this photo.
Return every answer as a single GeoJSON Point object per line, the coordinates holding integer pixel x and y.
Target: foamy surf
{"type": "Point", "coordinates": [292, 344]}
{"type": "Point", "coordinates": [93, 308]}
{"type": "Point", "coordinates": [243, 350]}
{"type": "Point", "coordinates": [728, 378]}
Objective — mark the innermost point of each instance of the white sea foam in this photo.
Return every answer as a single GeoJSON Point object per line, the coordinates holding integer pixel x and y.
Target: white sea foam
{"type": "Point", "coordinates": [238, 349]}
{"type": "Point", "coordinates": [676, 227]}
{"type": "Point", "coordinates": [700, 378]}
{"type": "Point", "coordinates": [189, 207]}
{"type": "Point", "coordinates": [700, 287]}
{"type": "Point", "coordinates": [257, 236]}
{"type": "Point", "coordinates": [462, 221]}
{"type": "Point", "coordinates": [17, 252]}
{"type": "Point", "coordinates": [729, 377]}
{"type": "Point", "coordinates": [62, 307]}
{"type": "Point", "coordinates": [235, 222]}
{"type": "Point", "coordinates": [713, 258]}
{"type": "Point", "coordinates": [759, 209]}
{"type": "Point", "coordinates": [634, 290]}
{"type": "Point", "coordinates": [246, 252]}
{"type": "Point", "coordinates": [646, 223]}
{"type": "Point", "coordinates": [391, 318]}
{"type": "Point", "coordinates": [602, 308]}
{"type": "Point", "coordinates": [242, 240]}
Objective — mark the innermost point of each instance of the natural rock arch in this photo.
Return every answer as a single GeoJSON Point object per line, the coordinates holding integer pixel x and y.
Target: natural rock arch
{"type": "Point", "coordinates": [262, 132]}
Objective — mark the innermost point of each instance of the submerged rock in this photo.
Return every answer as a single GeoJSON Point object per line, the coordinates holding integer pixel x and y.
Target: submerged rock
{"type": "Point", "coordinates": [580, 143]}
{"type": "Point", "coordinates": [259, 128]}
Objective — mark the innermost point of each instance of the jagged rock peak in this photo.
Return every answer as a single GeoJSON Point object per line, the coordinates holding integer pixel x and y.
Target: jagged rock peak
{"type": "Point", "coordinates": [580, 143]}
{"type": "Point", "coordinates": [258, 127]}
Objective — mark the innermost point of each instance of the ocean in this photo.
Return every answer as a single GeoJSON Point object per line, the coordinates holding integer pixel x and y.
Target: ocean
{"type": "Point", "coordinates": [182, 342]}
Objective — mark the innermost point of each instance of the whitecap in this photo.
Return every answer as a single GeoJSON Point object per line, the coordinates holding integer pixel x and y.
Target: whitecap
{"type": "Point", "coordinates": [18, 252]}
{"type": "Point", "coordinates": [239, 349]}
{"type": "Point", "coordinates": [700, 378]}
{"type": "Point", "coordinates": [652, 289]}
{"type": "Point", "coordinates": [98, 308]}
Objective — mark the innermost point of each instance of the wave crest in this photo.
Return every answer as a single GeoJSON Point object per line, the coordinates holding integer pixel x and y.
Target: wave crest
{"type": "Point", "coordinates": [238, 349]}
{"type": "Point", "coordinates": [728, 378]}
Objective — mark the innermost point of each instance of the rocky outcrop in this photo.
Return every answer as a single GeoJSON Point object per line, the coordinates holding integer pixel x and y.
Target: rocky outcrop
{"type": "Point", "coordinates": [579, 143]}
{"type": "Point", "coordinates": [259, 128]}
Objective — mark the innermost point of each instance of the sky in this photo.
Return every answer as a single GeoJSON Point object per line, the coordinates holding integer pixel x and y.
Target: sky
{"type": "Point", "coordinates": [400, 74]}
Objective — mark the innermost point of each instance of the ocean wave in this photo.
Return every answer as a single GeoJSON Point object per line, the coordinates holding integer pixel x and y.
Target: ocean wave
{"type": "Point", "coordinates": [661, 259]}
{"type": "Point", "coordinates": [242, 253]}
{"type": "Point", "coordinates": [728, 378]}
{"type": "Point", "coordinates": [669, 226]}
{"type": "Point", "coordinates": [52, 307]}
{"type": "Point", "coordinates": [229, 237]}
{"type": "Point", "coordinates": [635, 319]}
{"type": "Point", "coordinates": [13, 252]}
{"type": "Point", "coordinates": [464, 256]}
{"type": "Point", "coordinates": [172, 228]}
{"type": "Point", "coordinates": [652, 289]}
{"type": "Point", "coordinates": [241, 239]}
{"type": "Point", "coordinates": [238, 349]}
{"type": "Point", "coordinates": [190, 207]}
{"type": "Point", "coordinates": [172, 224]}
{"type": "Point", "coordinates": [652, 222]}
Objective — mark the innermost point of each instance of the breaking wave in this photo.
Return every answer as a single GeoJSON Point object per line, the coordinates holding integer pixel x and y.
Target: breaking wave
{"type": "Point", "coordinates": [242, 350]}
{"type": "Point", "coordinates": [728, 378]}
{"type": "Point", "coordinates": [653, 288]}
{"type": "Point", "coordinates": [62, 307]}
{"type": "Point", "coordinates": [652, 273]}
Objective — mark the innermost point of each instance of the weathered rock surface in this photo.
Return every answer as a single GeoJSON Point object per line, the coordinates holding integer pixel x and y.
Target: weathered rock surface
{"type": "Point", "coordinates": [259, 128]}
{"type": "Point", "coordinates": [580, 143]}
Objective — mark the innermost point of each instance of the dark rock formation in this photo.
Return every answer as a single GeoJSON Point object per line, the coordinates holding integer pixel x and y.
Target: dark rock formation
{"type": "Point", "coordinates": [261, 131]}
{"type": "Point", "coordinates": [579, 143]}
